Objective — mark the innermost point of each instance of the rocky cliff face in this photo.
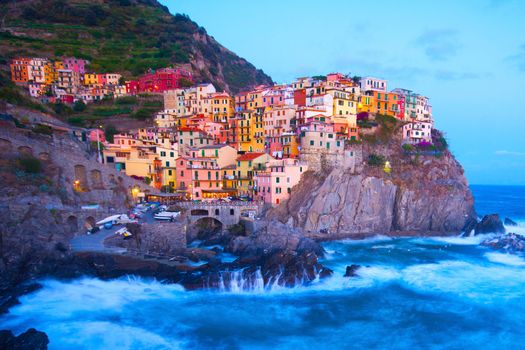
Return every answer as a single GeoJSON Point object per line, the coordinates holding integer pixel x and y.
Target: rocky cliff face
{"type": "Point", "coordinates": [422, 195]}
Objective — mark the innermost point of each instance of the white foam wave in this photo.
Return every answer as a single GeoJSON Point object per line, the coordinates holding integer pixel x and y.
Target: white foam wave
{"type": "Point", "coordinates": [465, 279]}
{"type": "Point", "coordinates": [456, 240]}
{"type": "Point", "coordinates": [505, 259]}
{"type": "Point", "coordinates": [373, 239]}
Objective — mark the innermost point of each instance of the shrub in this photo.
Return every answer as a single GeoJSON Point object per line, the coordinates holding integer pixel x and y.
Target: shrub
{"type": "Point", "coordinates": [43, 129]}
{"type": "Point", "coordinates": [77, 121]}
{"type": "Point", "coordinates": [425, 146]}
{"type": "Point", "coordinates": [109, 132]}
{"type": "Point", "coordinates": [376, 160]}
{"type": "Point", "coordinates": [142, 114]}
{"type": "Point", "coordinates": [362, 116]}
{"type": "Point", "coordinates": [126, 100]}
{"type": "Point", "coordinates": [408, 147]}
{"type": "Point", "coordinates": [61, 109]}
{"type": "Point", "coordinates": [79, 106]}
{"type": "Point", "coordinates": [30, 164]}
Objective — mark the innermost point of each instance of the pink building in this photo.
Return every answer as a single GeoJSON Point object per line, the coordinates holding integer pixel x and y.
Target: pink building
{"type": "Point", "coordinates": [95, 135]}
{"type": "Point", "coordinates": [75, 64]}
{"type": "Point", "coordinates": [274, 184]}
{"type": "Point", "coordinates": [200, 178]}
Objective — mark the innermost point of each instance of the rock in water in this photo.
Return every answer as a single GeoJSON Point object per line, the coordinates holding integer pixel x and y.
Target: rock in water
{"type": "Point", "coordinates": [351, 270]}
{"type": "Point", "coordinates": [509, 242]}
{"type": "Point", "coordinates": [510, 222]}
{"type": "Point", "coordinates": [490, 224]}
{"type": "Point", "coordinates": [29, 340]}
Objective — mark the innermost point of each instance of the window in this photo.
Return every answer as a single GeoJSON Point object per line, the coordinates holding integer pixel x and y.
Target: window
{"type": "Point", "coordinates": [167, 164]}
{"type": "Point", "coordinates": [232, 211]}
{"type": "Point", "coordinates": [311, 142]}
{"type": "Point", "coordinates": [277, 180]}
{"type": "Point", "coordinates": [170, 172]}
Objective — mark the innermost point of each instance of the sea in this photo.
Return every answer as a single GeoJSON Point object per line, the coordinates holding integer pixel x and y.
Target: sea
{"type": "Point", "coordinates": [411, 293]}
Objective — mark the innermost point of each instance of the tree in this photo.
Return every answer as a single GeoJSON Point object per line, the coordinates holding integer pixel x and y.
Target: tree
{"type": "Point", "coordinates": [142, 114]}
{"type": "Point", "coordinates": [30, 164]}
{"type": "Point", "coordinates": [79, 106]}
{"type": "Point", "coordinates": [122, 81]}
{"type": "Point", "coordinates": [109, 132]}
{"type": "Point", "coordinates": [147, 180]}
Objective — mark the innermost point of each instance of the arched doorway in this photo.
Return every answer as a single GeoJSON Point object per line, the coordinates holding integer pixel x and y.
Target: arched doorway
{"type": "Point", "coordinates": [207, 227]}
{"type": "Point", "coordinates": [72, 223]}
{"type": "Point", "coordinates": [80, 182]}
{"type": "Point", "coordinates": [90, 222]}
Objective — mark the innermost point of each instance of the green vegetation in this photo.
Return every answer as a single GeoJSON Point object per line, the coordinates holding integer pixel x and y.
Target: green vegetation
{"type": "Point", "coordinates": [376, 160]}
{"type": "Point", "coordinates": [29, 164]}
{"type": "Point", "coordinates": [11, 94]}
{"type": "Point", "coordinates": [125, 36]}
{"type": "Point", "coordinates": [43, 129]}
{"type": "Point", "coordinates": [109, 132]}
{"type": "Point", "coordinates": [408, 147]}
{"type": "Point", "coordinates": [126, 100]}
{"type": "Point", "coordinates": [79, 106]}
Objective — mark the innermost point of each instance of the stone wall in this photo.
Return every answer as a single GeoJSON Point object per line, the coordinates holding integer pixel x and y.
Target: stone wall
{"type": "Point", "coordinates": [98, 183]}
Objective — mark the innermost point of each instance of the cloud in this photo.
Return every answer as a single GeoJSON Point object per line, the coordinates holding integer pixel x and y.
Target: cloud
{"type": "Point", "coordinates": [509, 153]}
{"type": "Point", "coordinates": [518, 59]}
{"type": "Point", "coordinates": [439, 45]}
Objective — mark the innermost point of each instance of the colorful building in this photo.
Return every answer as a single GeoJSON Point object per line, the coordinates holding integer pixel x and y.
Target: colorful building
{"type": "Point", "coordinates": [274, 184]}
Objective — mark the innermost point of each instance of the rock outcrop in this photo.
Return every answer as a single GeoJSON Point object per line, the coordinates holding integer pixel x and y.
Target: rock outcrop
{"type": "Point", "coordinates": [510, 243]}
{"type": "Point", "coordinates": [422, 195]}
{"type": "Point", "coordinates": [510, 222]}
{"type": "Point", "coordinates": [489, 224]}
{"type": "Point", "coordinates": [29, 340]}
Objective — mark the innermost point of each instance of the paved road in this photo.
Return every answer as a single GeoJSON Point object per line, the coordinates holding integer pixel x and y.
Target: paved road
{"type": "Point", "coordinates": [95, 242]}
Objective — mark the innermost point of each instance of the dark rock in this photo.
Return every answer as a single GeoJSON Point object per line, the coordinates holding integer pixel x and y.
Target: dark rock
{"type": "Point", "coordinates": [510, 222]}
{"type": "Point", "coordinates": [490, 224]}
{"type": "Point", "coordinates": [470, 225]}
{"type": "Point", "coordinates": [29, 340]}
{"type": "Point", "coordinates": [351, 270]}
{"type": "Point", "coordinates": [509, 242]}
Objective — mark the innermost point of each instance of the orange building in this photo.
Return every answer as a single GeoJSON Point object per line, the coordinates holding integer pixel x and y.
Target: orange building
{"type": "Point", "coordinates": [20, 70]}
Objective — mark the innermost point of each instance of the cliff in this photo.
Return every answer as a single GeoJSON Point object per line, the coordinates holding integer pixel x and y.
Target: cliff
{"type": "Point", "coordinates": [423, 195]}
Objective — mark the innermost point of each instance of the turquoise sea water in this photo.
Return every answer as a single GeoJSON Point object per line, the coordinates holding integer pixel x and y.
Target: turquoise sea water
{"type": "Point", "coordinates": [440, 293]}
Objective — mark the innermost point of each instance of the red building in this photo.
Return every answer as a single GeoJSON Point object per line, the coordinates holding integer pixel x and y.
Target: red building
{"type": "Point", "coordinates": [299, 97]}
{"type": "Point", "coordinates": [159, 80]}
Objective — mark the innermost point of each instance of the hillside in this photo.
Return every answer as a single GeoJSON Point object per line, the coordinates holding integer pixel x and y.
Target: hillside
{"type": "Point", "coordinates": [124, 36]}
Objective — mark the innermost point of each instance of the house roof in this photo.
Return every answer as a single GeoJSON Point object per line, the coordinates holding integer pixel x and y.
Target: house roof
{"type": "Point", "coordinates": [250, 156]}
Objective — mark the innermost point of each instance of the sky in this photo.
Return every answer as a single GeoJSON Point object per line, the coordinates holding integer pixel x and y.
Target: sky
{"type": "Point", "coordinates": [467, 56]}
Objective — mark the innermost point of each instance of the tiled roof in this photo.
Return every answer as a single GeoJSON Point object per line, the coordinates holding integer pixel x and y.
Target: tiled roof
{"type": "Point", "coordinates": [250, 156]}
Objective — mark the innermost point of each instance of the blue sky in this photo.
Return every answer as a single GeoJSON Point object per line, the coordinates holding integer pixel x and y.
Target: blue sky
{"type": "Point", "coordinates": [467, 56]}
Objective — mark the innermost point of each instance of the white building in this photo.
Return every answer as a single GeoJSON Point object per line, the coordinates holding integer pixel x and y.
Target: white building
{"type": "Point", "coordinates": [417, 131]}
{"type": "Point", "coordinates": [370, 83]}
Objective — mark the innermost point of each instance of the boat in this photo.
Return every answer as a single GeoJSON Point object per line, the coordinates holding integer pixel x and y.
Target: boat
{"type": "Point", "coordinates": [167, 215]}
{"type": "Point", "coordinates": [119, 219]}
{"type": "Point", "coordinates": [123, 232]}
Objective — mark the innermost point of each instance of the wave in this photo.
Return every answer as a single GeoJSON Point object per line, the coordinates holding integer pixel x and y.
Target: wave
{"type": "Point", "coordinates": [505, 259]}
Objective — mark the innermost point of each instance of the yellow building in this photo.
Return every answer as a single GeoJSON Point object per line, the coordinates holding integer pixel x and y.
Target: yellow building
{"type": "Point", "coordinates": [255, 99]}
{"type": "Point", "coordinates": [90, 79]}
{"type": "Point", "coordinates": [290, 145]}
{"type": "Point", "coordinates": [51, 71]}
{"type": "Point", "coordinates": [140, 162]}
{"type": "Point", "coordinates": [247, 164]}
{"type": "Point", "coordinates": [367, 103]}
{"type": "Point", "coordinates": [222, 107]}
